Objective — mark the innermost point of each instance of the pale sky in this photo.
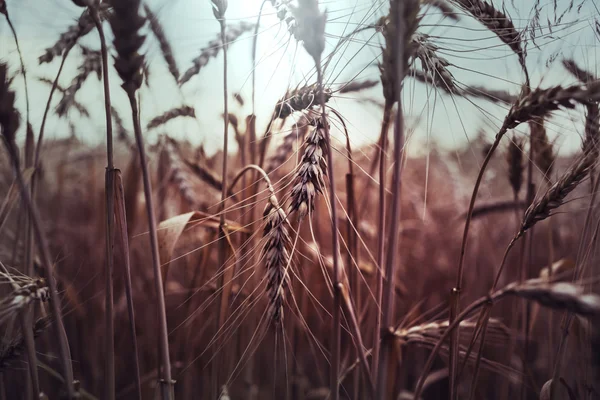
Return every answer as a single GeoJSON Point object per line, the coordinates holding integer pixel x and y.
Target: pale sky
{"type": "Point", "coordinates": [478, 57]}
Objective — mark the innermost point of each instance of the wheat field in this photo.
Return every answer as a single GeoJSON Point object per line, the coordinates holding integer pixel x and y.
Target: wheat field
{"type": "Point", "coordinates": [299, 199]}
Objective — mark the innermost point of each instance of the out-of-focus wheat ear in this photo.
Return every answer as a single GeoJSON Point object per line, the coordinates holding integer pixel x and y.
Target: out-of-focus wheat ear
{"type": "Point", "coordinates": [443, 6]}
{"type": "Point", "coordinates": [92, 64]}
{"type": "Point", "coordinates": [9, 116]}
{"type": "Point", "coordinates": [563, 296]}
{"type": "Point", "coordinates": [183, 111]}
{"type": "Point", "coordinates": [68, 39]}
{"type": "Point", "coordinates": [12, 351]}
{"type": "Point", "coordinates": [126, 23]}
{"type": "Point", "coordinates": [276, 253]}
{"type": "Point", "coordinates": [357, 86]}
{"type": "Point", "coordinates": [582, 75]}
{"type": "Point", "coordinates": [212, 49]}
{"type": "Point", "coordinates": [9, 123]}
{"type": "Point", "coordinates": [556, 194]}
{"type": "Point", "coordinates": [514, 159]}
{"type": "Point", "coordinates": [165, 45]}
{"type": "Point", "coordinates": [543, 149]}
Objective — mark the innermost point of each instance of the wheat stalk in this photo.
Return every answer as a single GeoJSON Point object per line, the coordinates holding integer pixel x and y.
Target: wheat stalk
{"type": "Point", "coordinates": [126, 23]}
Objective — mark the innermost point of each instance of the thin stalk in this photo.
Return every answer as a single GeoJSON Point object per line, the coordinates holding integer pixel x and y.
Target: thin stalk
{"type": "Point", "coordinates": [109, 328]}
{"type": "Point", "coordinates": [59, 329]}
{"type": "Point", "coordinates": [381, 245]}
{"type": "Point", "coordinates": [337, 273]}
{"type": "Point", "coordinates": [222, 240]}
{"type": "Point", "coordinates": [166, 382]}
{"type": "Point", "coordinates": [38, 148]}
{"type": "Point", "coordinates": [25, 320]}
{"type": "Point", "coordinates": [392, 243]}
{"type": "Point", "coordinates": [567, 319]}
{"type": "Point", "coordinates": [121, 226]}
{"type": "Point", "coordinates": [456, 291]}
{"type": "Point", "coordinates": [352, 255]}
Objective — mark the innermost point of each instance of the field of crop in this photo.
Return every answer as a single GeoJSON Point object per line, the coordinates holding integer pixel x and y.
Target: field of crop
{"type": "Point", "coordinates": [343, 199]}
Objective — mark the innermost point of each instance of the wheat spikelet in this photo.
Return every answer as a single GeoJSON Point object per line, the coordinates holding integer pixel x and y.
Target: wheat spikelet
{"type": "Point", "coordinates": [540, 102]}
{"type": "Point", "coordinates": [543, 152]}
{"type": "Point", "coordinates": [286, 147]}
{"type": "Point", "coordinates": [77, 105]}
{"type": "Point", "coordinates": [126, 22]}
{"type": "Point", "coordinates": [310, 174]}
{"type": "Point", "coordinates": [310, 27]}
{"type": "Point", "coordinates": [92, 63]}
{"type": "Point", "coordinates": [556, 194]}
{"type": "Point", "coordinates": [387, 66]}
{"type": "Point", "coordinates": [285, 14]}
{"type": "Point", "coordinates": [514, 159]}
{"type": "Point", "coordinates": [213, 48]}
{"type": "Point", "coordinates": [276, 253]}
{"type": "Point", "coordinates": [493, 95]}
{"type": "Point", "coordinates": [443, 6]}
{"type": "Point", "coordinates": [497, 22]}
{"type": "Point", "coordinates": [432, 64]}
{"type": "Point", "coordinates": [183, 111]}
{"type": "Point", "coordinates": [165, 46]}
{"type": "Point", "coordinates": [562, 295]}
{"type": "Point", "coordinates": [68, 39]}
{"type": "Point", "coordinates": [579, 73]}
{"type": "Point", "coordinates": [357, 86]}
{"type": "Point", "coordinates": [300, 99]}
{"type": "Point", "coordinates": [418, 333]}
{"type": "Point", "coordinates": [13, 350]}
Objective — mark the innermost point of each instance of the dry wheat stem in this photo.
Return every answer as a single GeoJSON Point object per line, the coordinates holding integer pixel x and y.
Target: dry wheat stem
{"type": "Point", "coordinates": [9, 122]}
{"type": "Point", "coordinates": [126, 23]}
{"type": "Point", "coordinates": [404, 13]}
{"type": "Point", "coordinates": [554, 295]}
{"type": "Point", "coordinates": [109, 333]}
